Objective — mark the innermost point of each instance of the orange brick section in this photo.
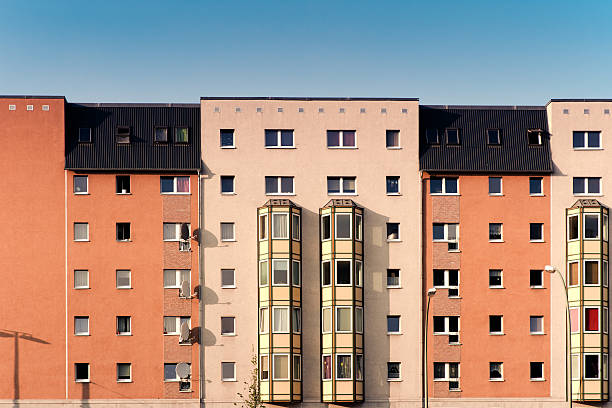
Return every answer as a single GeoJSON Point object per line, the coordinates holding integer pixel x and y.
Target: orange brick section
{"type": "Point", "coordinates": [442, 259]}
{"type": "Point", "coordinates": [176, 208]}
{"type": "Point", "coordinates": [175, 259]}
{"type": "Point", "coordinates": [445, 209]}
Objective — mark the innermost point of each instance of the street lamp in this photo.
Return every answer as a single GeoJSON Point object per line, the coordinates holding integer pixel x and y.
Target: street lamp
{"type": "Point", "coordinates": [568, 395]}
{"type": "Point", "coordinates": [430, 293]}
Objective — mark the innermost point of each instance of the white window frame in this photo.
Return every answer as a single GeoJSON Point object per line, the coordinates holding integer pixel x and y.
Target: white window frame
{"type": "Point", "coordinates": [286, 232]}
{"type": "Point", "coordinates": [502, 232]}
{"type": "Point", "coordinates": [542, 378]}
{"type": "Point", "coordinates": [536, 332]}
{"type": "Point", "coordinates": [264, 320]}
{"type": "Point", "coordinates": [399, 138]}
{"type": "Point", "coordinates": [336, 365]}
{"type": "Point", "coordinates": [299, 264]}
{"type": "Point", "coordinates": [336, 320]}
{"type": "Point", "coordinates": [499, 333]}
{"type": "Point", "coordinates": [599, 365]}
{"type": "Point", "coordinates": [331, 320]}
{"type": "Point", "coordinates": [265, 227]}
{"type": "Point", "coordinates": [117, 278]}
{"type": "Point", "coordinates": [228, 334]}
{"type": "Point", "coordinates": [233, 285]}
{"type": "Point", "coordinates": [447, 331]}
{"type": "Point", "coordinates": [501, 186]}
{"type": "Point", "coordinates": [177, 280]}
{"type": "Point", "coordinates": [278, 139]}
{"type": "Point", "coordinates": [446, 239]}
{"type": "Point", "coordinates": [350, 261]}
{"type": "Point", "coordinates": [275, 261]}
{"type": "Point", "coordinates": [88, 326]}
{"type": "Point", "coordinates": [176, 377]}
{"type": "Point", "coordinates": [359, 227]}
{"type": "Point", "coordinates": [177, 324]}
{"type": "Point", "coordinates": [233, 146]}
{"type": "Point", "coordinates": [598, 226]}
{"type": "Point", "coordinates": [541, 232]}
{"type": "Point", "coordinates": [399, 365]}
{"type": "Point", "coordinates": [292, 322]}
{"type": "Point", "coordinates": [340, 139]}
{"type": "Point", "coordinates": [541, 279]}
{"type": "Point", "coordinates": [294, 236]}
{"type": "Point", "coordinates": [444, 186]}
{"type": "Point", "coordinates": [350, 216]}
{"type": "Point", "coordinates": [541, 180]}
{"type": "Point", "coordinates": [123, 380]}
{"type": "Point", "coordinates": [297, 374]}
{"type": "Point", "coordinates": [278, 185]}
{"type": "Point", "coordinates": [399, 329]}
{"type": "Point", "coordinates": [447, 280]}
{"type": "Point", "coordinates": [177, 231]}
{"type": "Point", "coordinates": [86, 192]}
{"type": "Point", "coordinates": [500, 286]}
{"type": "Point", "coordinates": [358, 273]}
{"type": "Point", "coordinates": [585, 140]}
{"type": "Point", "coordinates": [232, 379]}
{"type": "Point", "coordinates": [579, 227]}
{"type": "Point", "coordinates": [233, 192]}
{"type": "Point", "coordinates": [75, 280]}
{"type": "Point", "coordinates": [584, 261]}
{"type": "Point", "coordinates": [586, 187]}
{"type": "Point", "coordinates": [501, 366]}
{"type": "Point", "coordinates": [399, 279]}
{"type": "Point", "coordinates": [584, 320]}
{"type": "Point", "coordinates": [127, 333]}
{"type": "Point", "coordinates": [274, 355]}
{"type": "Point", "coordinates": [233, 239]}
{"type": "Point", "coordinates": [604, 320]}
{"type": "Point", "coordinates": [288, 311]}
{"type": "Point", "coordinates": [174, 188]}
{"type": "Point", "coordinates": [331, 274]}
{"type": "Point", "coordinates": [74, 231]}
{"type": "Point", "coordinates": [88, 379]}
{"type": "Point", "coordinates": [447, 376]}
{"type": "Point", "coordinates": [399, 186]}
{"type": "Point", "coordinates": [399, 232]}
{"type": "Point", "coordinates": [341, 181]}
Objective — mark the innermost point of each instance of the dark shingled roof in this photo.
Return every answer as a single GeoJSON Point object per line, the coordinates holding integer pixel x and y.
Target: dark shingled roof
{"type": "Point", "coordinates": [474, 154]}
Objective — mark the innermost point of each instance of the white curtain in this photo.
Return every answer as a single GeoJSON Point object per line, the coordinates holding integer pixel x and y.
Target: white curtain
{"type": "Point", "coordinates": [81, 279]}
{"type": "Point", "coordinates": [170, 324]}
{"type": "Point", "coordinates": [280, 226]}
{"type": "Point", "coordinates": [281, 319]}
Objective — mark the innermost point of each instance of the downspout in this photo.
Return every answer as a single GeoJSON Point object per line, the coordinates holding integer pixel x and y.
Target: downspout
{"type": "Point", "coordinates": [201, 283]}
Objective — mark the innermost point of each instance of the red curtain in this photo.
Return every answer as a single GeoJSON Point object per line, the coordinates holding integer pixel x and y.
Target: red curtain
{"type": "Point", "coordinates": [182, 184]}
{"type": "Point", "coordinates": [591, 318]}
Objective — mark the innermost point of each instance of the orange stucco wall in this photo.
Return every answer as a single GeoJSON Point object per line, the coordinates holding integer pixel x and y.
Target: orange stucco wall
{"type": "Point", "coordinates": [516, 302]}
{"type": "Point", "coordinates": [32, 336]}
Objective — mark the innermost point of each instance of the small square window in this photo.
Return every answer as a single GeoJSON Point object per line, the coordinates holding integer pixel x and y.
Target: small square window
{"type": "Point", "coordinates": [124, 279]}
{"type": "Point", "coordinates": [383, 110]}
{"type": "Point", "coordinates": [495, 324]}
{"type": "Point", "coordinates": [81, 231]}
{"type": "Point", "coordinates": [452, 137]}
{"type": "Point", "coordinates": [227, 138]}
{"type": "Point", "coordinates": [30, 107]}
{"type": "Point", "coordinates": [606, 111]}
{"type": "Point", "coordinates": [216, 109]}
{"type": "Point", "coordinates": [496, 371]}
{"type": "Point", "coordinates": [45, 108]}
{"type": "Point", "coordinates": [321, 110]}
{"type": "Point", "coordinates": [534, 137]}
{"type": "Point", "coordinates": [393, 139]}
{"type": "Point", "coordinates": [181, 135]}
{"type": "Point", "coordinates": [341, 110]}
{"type": "Point", "coordinates": [536, 279]}
{"type": "Point", "coordinates": [393, 278]}
{"type": "Point", "coordinates": [431, 135]}
{"type": "Point", "coordinates": [227, 231]}
{"type": "Point", "coordinates": [495, 186]}
{"type": "Point", "coordinates": [123, 185]}
{"type": "Point", "coordinates": [300, 110]}
{"type": "Point", "coordinates": [228, 371]}
{"type": "Point", "coordinates": [122, 135]}
{"type": "Point", "coordinates": [237, 109]}
{"type": "Point", "coordinates": [496, 232]}
{"type": "Point", "coordinates": [123, 231]}
{"type": "Point", "coordinates": [495, 278]}
{"type": "Point", "coordinates": [84, 135]}
{"type": "Point", "coordinates": [493, 137]}
{"type": "Point", "coordinates": [587, 111]}
{"type": "Point", "coordinates": [81, 279]}
{"type": "Point", "coordinates": [124, 325]}
{"type": "Point", "coordinates": [404, 110]}
{"type": "Point", "coordinates": [228, 326]}
{"type": "Point", "coordinates": [258, 110]}
{"type": "Point", "coordinates": [12, 107]}
{"type": "Point", "coordinates": [362, 110]}
{"type": "Point", "coordinates": [124, 372]}
{"type": "Point", "coordinates": [227, 184]}
{"type": "Point", "coordinates": [535, 186]}
{"type": "Point", "coordinates": [81, 184]}
{"type": "Point", "coordinates": [566, 111]}
{"type": "Point", "coordinates": [536, 232]}
{"type": "Point", "coordinates": [393, 371]}
{"type": "Point", "coordinates": [536, 324]}
{"type": "Point", "coordinates": [393, 187]}
{"type": "Point", "coordinates": [161, 135]}
{"type": "Point", "coordinates": [228, 278]}
{"type": "Point", "coordinates": [280, 110]}
{"type": "Point", "coordinates": [81, 372]}
{"type": "Point", "coordinates": [393, 325]}
{"type": "Point", "coordinates": [393, 231]}
{"type": "Point", "coordinates": [81, 325]}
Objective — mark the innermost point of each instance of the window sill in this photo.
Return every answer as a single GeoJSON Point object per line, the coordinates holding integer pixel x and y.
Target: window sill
{"type": "Point", "coordinates": [81, 288]}
{"type": "Point", "coordinates": [228, 334]}
{"type": "Point", "coordinates": [124, 240]}
{"type": "Point", "coordinates": [457, 390]}
{"type": "Point", "coordinates": [393, 333]}
{"type": "Point", "coordinates": [588, 195]}
{"type": "Point", "coordinates": [280, 194]}
{"type": "Point", "coordinates": [124, 287]}
{"type": "Point", "coordinates": [454, 251]}
{"type": "Point", "coordinates": [82, 381]}
{"type": "Point", "coordinates": [496, 195]}
{"type": "Point", "coordinates": [342, 147]}
{"type": "Point", "coordinates": [124, 381]}
{"type": "Point", "coordinates": [228, 194]}
{"type": "Point", "coordinates": [394, 379]}
{"type": "Point", "coordinates": [124, 334]}
{"type": "Point", "coordinates": [587, 148]}
{"type": "Point", "coordinates": [394, 240]}
{"type": "Point", "coordinates": [394, 287]}
{"type": "Point", "coordinates": [81, 240]}
{"type": "Point", "coordinates": [123, 194]}
{"type": "Point", "coordinates": [536, 195]}
{"type": "Point", "coordinates": [537, 241]}
{"type": "Point", "coordinates": [537, 334]}
{"type": "Point", "coordinates": [497, 334]}
{"type": "Point", "coordinates": [394, 194]}
{"type": "Point", "coordinates": [537, 379]}
{"type": "Point", "coordinates": [444, 194]}
{"type": "Point", "coordinates": [394, 148]}
{"type": "Point", "coordinates": [228, 287]}
{"type": "Point", "coordinates": [81, 194]}
{"type": "Point", "coordinates": [171, 334]}
{"type": "Point", "coordinates": [228, 380]}
{"type": "Point", "coordinates": [496, 287]}
{"type": "Point", "coordinates": [537, 287]}
{"type": "Point", "coordinates": [184, 391]}
{"type": "Point", "coordinates": [175, 193]}
{"type": "Point", "coordinates": [496, 241]}
{"type": "Point", "coordinates": [227, 147]}
{"type": "Point", "coordinates": [280, 147]}
{"type": "Point", "coordinates": [82, 334]}
{"type": "Point", "coordinates": [225, 240]}
{"type": "Point", "coordinates": [342, 194]}
{"type": "Point", "coordinates": [496, 380]}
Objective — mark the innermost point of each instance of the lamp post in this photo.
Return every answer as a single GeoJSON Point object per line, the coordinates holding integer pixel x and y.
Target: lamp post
{"type": "Point", "coordinates": [551, 269]}
{"type": "Point", "coordinates": [430, 294]}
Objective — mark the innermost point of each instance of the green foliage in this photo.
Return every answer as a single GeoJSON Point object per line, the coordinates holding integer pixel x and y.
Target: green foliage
{"type": "Point", "coordinates": [252, 396]}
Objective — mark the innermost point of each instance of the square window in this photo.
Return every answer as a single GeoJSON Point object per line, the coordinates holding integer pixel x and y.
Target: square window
{"type": "Point", "coordinates": [393, 138]}
{"type": "Point", "coordinates": [535, 186]}
{"type": "Point", "coordinates": [493, 137]}
{"type": "Point", "coordinates": [161, 134]}
{"type": "Point", "coordinates": [393, 371]}
{"type": "Point", "coordinates": [393, 324]}
{"type": "Point", "coordinates": [393, 231]}
{"type": "Point", "coordinates": [123, 231]}
{"type": "Point", "coordinates": [536, 324]}
{"type": "Point", "coordinates": [81, 279]}
{"type": "Point", "coordinates": [12, 107]}
{"type": "Point", "coordinates": [181, 135]}
{"type": "Point", "coordinates": [275, 138]}
{"type": "Point", "coordinates": [226, 138]}
{"type": "Point", "coordinates": [393, 278]}
{"type": "Point", "coordinates": [279, 185]}
{"type": "Point", "coordinates": [534, 137]}
{"type": "Point", "coordinates": [30, 107]}
{"type": "Point", "coordinates": [228, 278]}
{"type": "Point", "coordinates": [301, 110]}
{"type": "Point", "coordinates": [495, 186]}
{"type": "Point", "coordinates": [122, 185]}
{"type": "Point", "coordinates": [228, 371]}
{"type": "Point", "coordinates": [227, 231]}
{"type": "Point", "coordinates": [81, 231]}
{"type": "Point", "coordinates": [81, 372]}
{"type": "Point", "coordinates": [536, 371]}
{"type": "Point", "coordinates": [227, 184]}
{"type": "Point", "coordinates": [591, 366]}
{"type": "Point", "coordinates": [452, 137]}
{"type": "Point", "coordinates": [495, 232]}
{"type": "Point", "coordinates": [123, 279]}
{"type": "Point", "coordinates": [170, 372]}
{"type": "Point", "coordinates": [124, 325]}
{"type": "Point", "coordinates": [228, 326]}
{"type": "Point", "coordinates": [81, 184]}
{"type": "Point", "coordinates": [393, 187]}
{"type": "Point", "coordinates": [495, 324]}
{"type": "Point", "coordinates": [536, 278]}
{"type": "Point", "coordinates": [495, 278]}
{"type": "Point", "coordinates": [431, 136]}
{"type": "Point", "coordinates": [84, 135]}
{"type": "Point", "coordinates": [536, 232]}
{"type": "Point", "coordinates": [122, 135]}
{"type": "Point", "coordinates": [124, 372]}
{"type": "Point", "coordinates": [81, 325]}
{"type": "Point", "coordinates": [496, 371]}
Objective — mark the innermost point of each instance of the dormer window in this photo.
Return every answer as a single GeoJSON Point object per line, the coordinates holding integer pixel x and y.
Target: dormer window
{"type": "Point", "coordinates": [181, 135]}
{"type": "Point", "coordinates": [452, 137]}
{"type": "Point", "coordinates": [432, 136]}
{"type": "Point", "coordinates": [123, 134]}
{"type": "Point", "coordinates": [493, 137]}
{"type": "Point", "coordinates": [534, 137]}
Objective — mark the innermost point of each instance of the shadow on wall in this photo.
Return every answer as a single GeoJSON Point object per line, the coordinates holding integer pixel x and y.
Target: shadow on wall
{"type": "Point", "coordinates": [17, 335]}
{"type": "Point", "coordinates": [209, 240]}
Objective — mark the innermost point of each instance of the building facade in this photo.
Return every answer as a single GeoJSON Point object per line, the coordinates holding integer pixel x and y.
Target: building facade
{"type": "Point", "coordinates": [368, 251]}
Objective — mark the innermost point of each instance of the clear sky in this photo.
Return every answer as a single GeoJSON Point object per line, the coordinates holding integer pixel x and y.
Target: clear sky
{"type": "Point", "coordinates": [443, 52]}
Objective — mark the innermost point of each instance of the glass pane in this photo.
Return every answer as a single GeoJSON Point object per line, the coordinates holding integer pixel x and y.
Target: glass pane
{"type": "Point", "coordinates": [295, 226]}
{"type": "Point", "coordinates": [81, 231]}
{"type": "Point", "coordinates": [227, 184]}
{"type": "Point", "coordinates": [227, 137]}
{"type": "Point", "coordinates": [439, 324]}
{"type": "Point", "coordinates": [84, 135]}
{"type": "Point", "coordinates": [393, 324]}
{"type": "Point", "coordinates": [169, 231]}
{"type": "Point", "coordinates": [535, 185]}
{"type": "Point", "coordinates": [392, 185]}
{"type": "Point", "coordinates": [227, 277]}
{"type": "Point", "coordinates": [453, 324]}
{"type": "Point", "coordinates": [579, 185]}
{"type": "Point", "coordinates": [573, 227]}
{"type": "Point", "coordinates": [170, 278]}
{"type": "Point", "coordinates": [182, 184]}
{"type": "Point", "coordinates": [170, 371]}
{"type": "Point", "coordinates": [280, 272]}
{"type": "Point", "coordinates": [123, 278]}
{"type": "Point", "coordinates": [450, 185]}
{"type": "Point", "coordinates": [432, 136]}
{"type": "Point", "coordinates": [295, 278]}
{"type": "Point", "coordinates": [575, 320]}
{"type": "Point", "coordinates": [81, 279]}
{"type": "Point", "coordinates": [495, 277]}
{"type": "Point", "coordinates": [263, 367]}
{"type": "Point", "coordinates": [286, 137]}
{"type": "Point", "coordinates": [297, 367]}
{"type": "Point", "coordinates": [263, 226]}
{"type": "Point", "coordinates": [593, 185]}
{"type": "Point", "coordinates": [343, 272]}
{"type": "Point", "coordinates": [271, 137]}
{"type": "Point", "coordinates": [573, 273]}
{"type": "Point", "coordinates": [227, 325]}
{"type": "Point", "coordinates": [494, 185]}
{"type": "Point", "coordinates": [333, 138]}
{"type": "Point", "coordinates": [343, 226]}
{"type": "Point", "coordinates": [493, 136]}
{"type": "Point", "coordinates": [280, 226]}
{"type": "Point", "coordinates": [591, 273]}
{"type": "Point", "coordinates": [453, 277]}
{"type": "Point", "coordinates": [297, 320]}
{"type": "Point", "coordinates": [451, 232]}
{"type": "Point", "coordinates": [578, 139]}
{"type": "Point", "coordinates": [591, 319]}
{"type": "Point", "coordinates": [333, 185]}
{"type": "Point", "coordinates": [393, 370]}
{"type": "Point", "coordinates": [575, 367]}
{"type": "Point", "coordinates": [392, 138]}
{"type": "Point", "coordinates": [359, 366]}
{"type": "Point", "coordinates": [392, 231]}
{"type": "Point", "coordinates": [358, 227]}
{"type": "Point", "coordinates": [435, 185]}
{"type": "Point", "coordinates": [343, 316]}
{"type": "Point", "coordinates": [358, 273]}
{"type": "Point", "coordinates": [358, 320]}
{"type": "Point", "coordinates": [271, 185]}
{"type": "Point", "coordinates": [325, 227]}
{"type": "Point", "coordinates": [593, 139]}
{"type": "Point", "coordinates": [280, 319]}
{"type": "Point", "coordinates": [327, 320]}
{"type": "Point", "coordinates": [535, 278]}
{"type": "Point", "coordinates": [452, 136]}
{"type": "Point", "coordinates": [536, 324]}
{"type": "Point", "coordinates": [123, 371]}
{"type": "Point", "coordinates": [438, 232]}
{"type": "Point", "coordinates": [344, 369]}
{"type": "Point", "coordinates": [167, 184]}
{"type": "Point", "coordinates": [227, 231]}
{"type": "Point", "coordinates": [591, 366]}
{"type": "Point", "coordinates": [591, 226]}
{"type": "Point", "coordinates": [80, 184]}
{"type": "Point", "coordinates": [453, 370]}
{"type": "Point", "coordinates": [170, 325]}
{"type": "Point", "coordinates": [495, 232]}
{"type": "Point", "coordinates": [181, 135]}
{"type": "Point", "coordinates": [348, 185]}
{"type": "Point", "coordinates": [348, 138]}
{"type": "Point", "coordinates": [287, 185]}
{"type": "Point", "coordinates": [439, 371]}
{"type": "Point", "coordinates": [227, 371]}
{"type": "Point", "coordinates": [326, 266]}
{"type": "Point", "coordinates": [327, 367]}
{"type": "Point", "coordinates": [393, 277]}
{"type": "Point", "coordinates": [535, 232]}
{"type": "Point", "coordinates": [495, 370]}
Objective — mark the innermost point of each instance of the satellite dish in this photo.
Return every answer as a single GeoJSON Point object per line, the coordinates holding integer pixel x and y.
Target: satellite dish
{"type": "Point", "coordinates": [183, 370]}
{"type": "Point", "coordinates": [185, 289]}
{"type": "Point", "coordinates": [185, 331]}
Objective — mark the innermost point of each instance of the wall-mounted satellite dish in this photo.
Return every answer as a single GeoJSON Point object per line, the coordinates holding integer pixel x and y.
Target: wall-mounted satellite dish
{"type": "Point", "coordinates": [185, 332]}
{"type": "Point", "coordinates": [183, 370]}
{"type": "Point", "coordinates": [185, 289]}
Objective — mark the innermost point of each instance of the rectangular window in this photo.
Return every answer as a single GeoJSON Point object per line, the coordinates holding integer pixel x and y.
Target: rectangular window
{"type": "Point", "coordinates": [123, 231]}
{"type": "Point", "coordinates": [341, 185]}
{"type": "Point", "coordinates": [276, 138]}
{"type": "Point", "coordinates": [124, 325]}
{"type": "Point", "coordinates": [228, 231]}
{"type": "Point", "coordinates": [295, 227]}
{"type": "Point", "coordinates": [574, 273]}
{"type": "Point", "coordinates": [123, 279]}
{"type": "Point", "coordinates": [327, 319]}
{"type": "Point", "coordinates": [431, 136]}
{"type": "Point", "coordinates": [280, 272]}
{"type": "Point", "coordinates": [344, 366]}
{"type": "Point", "coordinates": [393, 325]}
{"type": "Point", "coordinates": [536, 371]}
{"type": "Point", "coordinates": [393, 231]}
{"type": "Point", "coordinates": [170, 372]}
{"type": "Point", "coordinates": [326, 273]}
{"type": "Point", "coordinates": [359, 367]}
{"type": "Point", "coordinates": [572, 227]}
{"type": "Point", "coordinates": [496, 324]}
{"type": "Point", "coordinates": [496, 232]}
{"type": "Point", "coordinates": [452, 137]}
{"type": "Point", "coordinates": [344, 321]}
{"type": "Point", "coordinates": [393, 371]}
{"type": "Point", "coordinates": [81, 372]}
{"type": "Point", "coordinates": [358, 273]}
{"type": "Point", "coordinates": [296, 273]}
{"type": "Point", "coordinates": [264, 324]}
{"type": "Point", "coordinates": [591, 272]}
{"type": "Point", "coordinates": [81, 325]}
{"type": "Point", "coordinates": [536, 324]}
{"type": "Point", "coordinates": [495, 186]}
{"type": "Point", "coordinates": [536, 232]}
{"type": "Point", "coordinates": [591, 366]}
{"type": "Point", "coordinates": [174, 185]}
{"type": "Point", "coordinates": [496, 371]}
{"type": "Point", "coordinates": [443, 185]}
{"type": "Point", "coordinates": [280, 225]}
{"type": "Point", "coordinates": [124, 372]}
{"type": "Point", "coordinates": [228, 278]}
{"type": "Point", "coordinates": [161, 134]}
{"type": "Point", "coordinates": [228, 371]}
{"type": "Point", "coordinates": [591, 226]}
{"type": "Point", "coordinates": [228, 326]}
{"type": "Point", "coordinates": [279, 185]}
{"type": "Point", "coordinates": [604, 322]}
{"type": "Point", "coordinates": [536, 279]}
{"type": "Point", "coordinates": [296, 315]}
{"type": "Point", "coordinates": [122, 185]}
{"type": "Point", "coordinates": [343, 226]}
{"type": "Point", "coordinates": [447, 233]}
{"type": "Point", "coordinates": [447, 279]}
{"type": "Point", "coordinates": [326, 364]}
{"type": "Point", "coordinates": [495, 278]}
{"type": "Point", "coordinates": [181, 135]}
{"type": "Point", "coordinates": [574, 319]}
{"type": "Point", "coordinates": [341, 139]}
{"type": "Point", "coordinates": [604, 366]}
{"type": "Point", "coordinates": [297, 368]}
{"type": "Point", "coordinates": [264, 369]}
{"type": "Point", "coordinates": [575, 367]}
{"type": "Point", "coordinates": [122, 135]}
{"type": "Point", "coordinates": [173, 278]}
{"type": "Point", "coordinates": [359, 319]}
{"type": "Point", "coordinates": [227, 184]}
{"type": "Point", "coordinates": [446, 371]}
{"type": "Point", "coordinates": [393, 278]}
{"type": "Point", "coordinates": [226, 138]}
{"type": "Point", "coordinates": [586, 140]}
{"type": "Point", "coordinates": [534, 137]}
{"type": "Point", "coordinates": [81, 279]}
{"type": "Point", "coordinates": [280, 319]}
{"type": "Point", "coordinates": [535, 186]}
{"type": "Point", "coordinates": [393, 187]}
{"type": "Point", "coordinates": [358, 227]}
{"type": "Point", "coordinates": [493, 136]}
{"type": "Point", "coordinates": [591, 319]}
{"type": "Point", "coordinates": [446, 325]}
{"type": "Point", "coordinates": [263, 273]}
{"type": "Point", "coordinates": [81, 231]}
{"type": "Point", "coordinates": [586, 185]}
{"type": "Point", "coordinates": [393, 139]}
{"type": "Point", "coordinates": [84, 135]}
{"type": "Point", "coordinates": [325, 227]}
{"type": "Point", "coordinates": [173, 231]}
{"type": "Point", "coordinates": [80, 184]}
{"type": "Point", "coordinates": [343, 272]}
{"type": "Point", "coordinates": [172, 324]}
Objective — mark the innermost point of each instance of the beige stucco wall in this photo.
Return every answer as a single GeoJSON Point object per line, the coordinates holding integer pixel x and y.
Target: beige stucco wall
{"type": "Point", "coordinates": [310, 163]}
{"type": "Point", "coordinates": [569, 163]}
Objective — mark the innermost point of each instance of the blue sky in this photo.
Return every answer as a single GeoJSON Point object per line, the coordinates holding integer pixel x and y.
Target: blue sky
{"type": "Point", "coordinates": [443, 52]}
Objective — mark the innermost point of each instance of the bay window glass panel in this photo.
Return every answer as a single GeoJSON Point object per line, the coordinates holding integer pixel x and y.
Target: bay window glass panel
{"type": "Point", "coordinates": [295, 271]}
{"type": "Point", "coordinates": [591, 226]}
{"type": "Point", "coordinates": [280, 226]}
{"type": "Point", "coordinates": [281, 367]}
{"type": "Point", "coordinates": [295, 226]}
{"type": "Point", "coordinates": [359, 367]}
{"type": "Point", "coordinates": [591, 366]}
{"type": "Point", "coordinates": [264, 324]}
{"type": "Point", "coordinates": [263, 226]}
{"type": "Point", "coordinates": [343, 226]}
{"type": "Point", "coordinates": [359, 320]}
{"type": "Point", "coordinates": [575, 320]}
{"type": "Point", "coordinates": [280, 319]}
{"type": "Point", "coordinates": [326, 272]}
{"type": "Point", "coordinates": [280, 272]}
{"type": "Point", "coordinates": [297, 367]}
{"type": "Point", "coordinates": [343, 272]}
{"type": "Point", "coordinates": [358, 273]}
{"type": "Point", "coordinates": [327, 367]}
{"type": "Point", "coordinates": [263, 368]}
{"type": "Point", "coordinates": [327, 320]}
{"type": "Point", "coordinates": [297, 320]}
{"type": "Point", "coordinates": [325, 227]}
{"type": "Point", "coordinates": [574, 273]}
{"type": "Point", "coordinates": [343, 319]}
{"type": "Point", "coordinates": [344, 366]}
{"type": "Point", "coordinates": [572, 227]}
{"type": "Point", "coordinates": [358, 227]}
{"type": "Point", "coordinates": [591, 273]}
{"type": "Point", "coordinates": [591, 319]}
{"type": "Point", "coordinates": [575, 367]}
{"type": "Point", "coordinates": [263, 273]}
